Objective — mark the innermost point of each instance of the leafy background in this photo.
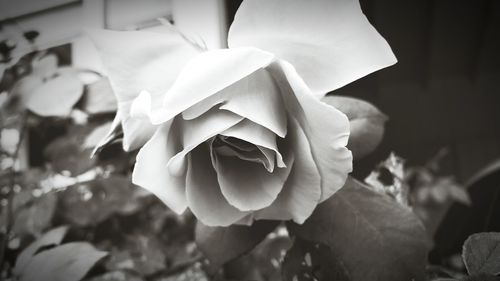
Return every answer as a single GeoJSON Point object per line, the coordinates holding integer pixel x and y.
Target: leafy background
{"type": "Point", "coordinates": [68, 216]}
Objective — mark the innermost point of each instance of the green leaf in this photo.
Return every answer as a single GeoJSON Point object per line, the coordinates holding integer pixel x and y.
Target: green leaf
{"type": "Point", "coordinates": [68, 262]}
{"type": "Point", "coordinates": [481, 253]}
{"type": "Point", "coordinates": [223, 244]}
{"type": "Point", "coordinates": [310, 261]}
{"type": "Point", "coordinates": [369, 233]}
{"type": "Point", "coordinates": [57, 96]}
{"type": "Point", "coordinates": [52, 237]}
{"type": "Point", "coordinates": [367, 124]}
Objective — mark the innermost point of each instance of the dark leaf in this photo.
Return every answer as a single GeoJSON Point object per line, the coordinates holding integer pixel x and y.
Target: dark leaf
{"type": "Point", "coordinates": [223, 244]}
{"type": "Point", "coordinates": [270, 254]}
{"type": "Point", "coordinates": [36, 216]}
{"type": "Point", "coordinates": [93, 202]}
{"type": "Point", "coordinates": [367, 123]}
{"type": "Point", "coordinates": [369, 233]}
{"type": "Point", "coordinates": [482, 277]}
{"type": "Point", "coordinates": [66, 153]}
{"type": "Point", "coordinates": [312, 261]}
{"type": "Point", "coordinates": [117, 276]}
{"type": "Point", "coordinates": [142, 254]}
{"type": "Point", "coordinates": [264, 261]}
{"type": "Point", "coordinates": [68, 262]}
{"type": "Point", "coordinates": [481, 253]}
{"type": "Point", "coordinates": [461, 221]}
{"type": "Point", "coordinates": [52, 237]}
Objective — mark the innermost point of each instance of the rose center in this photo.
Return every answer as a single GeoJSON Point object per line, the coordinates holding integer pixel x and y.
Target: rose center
{"type": "Point", "coordinates": [234, 147]}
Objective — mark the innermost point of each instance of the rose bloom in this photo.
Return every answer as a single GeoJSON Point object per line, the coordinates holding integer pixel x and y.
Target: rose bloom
{"type": "Point", "coordinates": [240, 134]}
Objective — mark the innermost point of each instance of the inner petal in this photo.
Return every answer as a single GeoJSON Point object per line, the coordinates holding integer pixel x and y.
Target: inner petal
{"type": "Point", "coordinates": [260, 136]}
{"type": "Point", "coordinates": [194, 132]}
{"type": "Point", "coordinates": [233, 147]}
{"type": "Point", "coordinates": [246, 185]}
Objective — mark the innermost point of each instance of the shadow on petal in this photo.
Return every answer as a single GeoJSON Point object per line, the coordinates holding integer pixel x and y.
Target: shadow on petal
{"type": "Point", "coordinates": [203, 193]}
{"type": "Point", "coordinates": [302, 190]}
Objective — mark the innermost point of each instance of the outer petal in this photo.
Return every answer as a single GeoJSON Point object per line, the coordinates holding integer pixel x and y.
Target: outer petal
{"type": "Point", "coordinates": [150, 170]}
{"type": "Point", "coordinates": [136, 132]}
{"type": "Point", "coordinates": [329, 42]}
{"type": "Point", "coordinates": [326, 128]}
{"type": "Point", "coordinates": [141, 60]}
{"type": "Point", "coordinates": [203, 192]}
{"type": "Point", "coordinates": [302, 190]}
{"type": "Point", "coordinates": [209, 73]}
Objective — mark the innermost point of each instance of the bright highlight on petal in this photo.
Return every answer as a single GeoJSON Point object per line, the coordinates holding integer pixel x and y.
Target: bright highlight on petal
{"type": "Point", "coordinates": [329, 42]}
{"type": "Point", "coordinates": [208, 74]}
{"type": "Point", "coordinates": [137, 61]}
{"type": "Point", "coordinates": [326, 128]}
{"type": "Point", "coordinates": [255, 97]}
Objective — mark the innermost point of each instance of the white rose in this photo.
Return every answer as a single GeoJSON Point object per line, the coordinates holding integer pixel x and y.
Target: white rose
{"type": "Point", "coordinates": [240, 134]}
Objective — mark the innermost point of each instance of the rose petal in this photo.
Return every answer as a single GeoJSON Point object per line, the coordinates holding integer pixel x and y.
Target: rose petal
{"type": "Point", "coordinates": [141, 106]}
{"type": "Point", "coordinates": [196, 131]}
{"type": "Point", "coordinates": [150, 171]}
{"type": "Point", "coordinates": [255, 97]}
{"type": "Point", "coordinates": [247, 185]}
{"type": "Point", "coordinates": [256, 155]}
{"type": "Point", "coordinates": [203, 192]}
{"type": "Point", "coordinates": [141, 60]}
{"type": "Point", "coordinates": [329, 42]}
{"type": "Point", "coordinates": [259, 100]}
{"type": "Point", "coordinates": [136, 132]}
{"type": "Point", "coordinates": [209, 73]}
{"type": "Point", "coordinates": [302, 190]}
{"type": "Point", "coordinates": [326, 128]}
{"type": "Point", "coordinates": [255, 134]}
